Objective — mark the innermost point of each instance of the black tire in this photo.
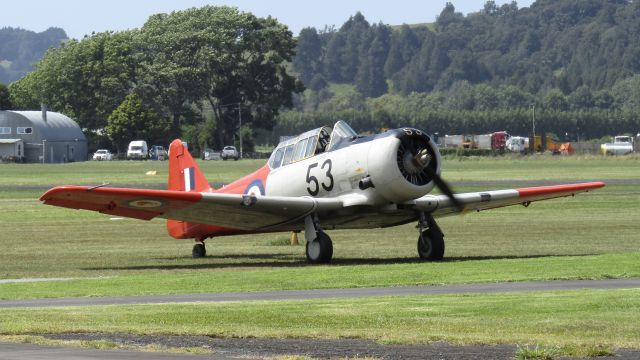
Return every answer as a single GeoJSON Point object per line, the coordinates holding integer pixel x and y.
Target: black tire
{"type": "Point", "coordinates": [431, 246]}
{"type": "Point", "coordinates": [199, 251]}
{"type": "Point", "coordinates": [320, 250]}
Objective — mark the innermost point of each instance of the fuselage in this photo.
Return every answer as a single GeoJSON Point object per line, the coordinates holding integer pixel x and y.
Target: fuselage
{"type": "Point", "coordinates": [369, 171]}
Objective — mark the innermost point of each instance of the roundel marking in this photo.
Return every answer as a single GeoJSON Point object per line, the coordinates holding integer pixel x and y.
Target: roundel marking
{"type": "Point", "coordinates": [255, 188]}
{"type": "Point", "coordinates": [145, 204]}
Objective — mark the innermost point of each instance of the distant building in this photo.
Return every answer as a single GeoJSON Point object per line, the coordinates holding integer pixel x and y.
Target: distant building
{"type": "Point", "coordinates": [40, 137]}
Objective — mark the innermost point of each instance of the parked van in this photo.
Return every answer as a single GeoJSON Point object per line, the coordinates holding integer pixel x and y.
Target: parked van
{"type": "Point", "coordinates": [137, 150]}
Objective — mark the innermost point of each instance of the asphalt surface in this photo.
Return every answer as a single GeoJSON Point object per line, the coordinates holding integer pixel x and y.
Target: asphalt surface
{"type": "Point", "coordinates": [231, 348]}
{"type": "Point", "coordinates": [330, 293]}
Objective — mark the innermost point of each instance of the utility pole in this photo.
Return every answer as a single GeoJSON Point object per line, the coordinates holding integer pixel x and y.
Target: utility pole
{"type": "Point", "coordinates": [240, 130]}
{"type": "Point", "coordinates": [532, 142]}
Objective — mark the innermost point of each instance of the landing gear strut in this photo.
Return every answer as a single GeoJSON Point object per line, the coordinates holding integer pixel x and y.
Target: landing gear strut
{"type": "Point", "coordinates": [319, 247]}
{"type": "Point", "coordinates": [199, 250]}
{"type": "Point", "coordinates": [431, 239]}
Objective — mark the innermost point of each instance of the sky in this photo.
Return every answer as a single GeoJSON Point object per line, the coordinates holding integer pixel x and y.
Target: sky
{"type": "Point", "coordinates": [82, 17]}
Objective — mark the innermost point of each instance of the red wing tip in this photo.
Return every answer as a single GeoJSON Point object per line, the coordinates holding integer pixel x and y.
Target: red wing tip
{"type": "Point", "coordinates": [542, 190]}
{"type": "Point", "coordinates": [56, 189]}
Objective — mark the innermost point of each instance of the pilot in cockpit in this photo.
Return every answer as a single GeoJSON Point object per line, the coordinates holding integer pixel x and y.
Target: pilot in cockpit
{"type": "Point", "coordinates": [323, 141]}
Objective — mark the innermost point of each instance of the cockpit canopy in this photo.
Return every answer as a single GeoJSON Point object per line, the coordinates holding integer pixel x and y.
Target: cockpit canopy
{"type": "Point", "coordinates": [311, 143]}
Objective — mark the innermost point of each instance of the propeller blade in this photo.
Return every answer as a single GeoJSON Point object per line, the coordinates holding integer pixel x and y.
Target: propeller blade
{"type": "Point", "coordinates": [444, 187]}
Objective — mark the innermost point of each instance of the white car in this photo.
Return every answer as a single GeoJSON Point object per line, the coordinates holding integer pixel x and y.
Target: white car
{"type": "Point", "coordinates": [103, 154]}
{"type": "Point", "coordinates": [229, 152]}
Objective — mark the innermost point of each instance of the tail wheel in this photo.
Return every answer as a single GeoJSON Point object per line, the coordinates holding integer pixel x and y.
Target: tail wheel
{"type": "Point", "coordinates": [320, 250]}
{"type": "Point", "coordinates": [199, 251]}
{"type": "Point", "coordinates": [431, 246]}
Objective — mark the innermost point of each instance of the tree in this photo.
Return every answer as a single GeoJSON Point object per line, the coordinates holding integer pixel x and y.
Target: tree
{"type": "Point", "coordinates": [556, 100]}
{"type": "Point", "coordinates": [24, 92]}
{"type": "Point", "coordinates": [132, 120]}
{"type": "Point", "coordinates": [404, 45]}
{"type": "Point", "coordinates": [486, 97]}
{"type": "Point", "coordinates": [308, 57]}
{"type": "Point", "coordinates": [448, 16]}
{"type": "Point", "coordinates": [85, 80]}
{"type": "Point", "coordinates": [5, 99]}
{"type": "Point", "coordinates": [357, 40]}
{"type": "Point", "coordinates": [581, 98]}
{"type": "Point", "coordinates": [226, 57]}
{"type": "Point", "coordinates": [334, 58]}
{"type": "Point", "coordinates": [370, 79]}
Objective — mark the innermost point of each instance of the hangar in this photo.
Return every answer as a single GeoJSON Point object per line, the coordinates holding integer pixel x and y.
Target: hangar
{"type": "Point", "coordinates": [40, 137]}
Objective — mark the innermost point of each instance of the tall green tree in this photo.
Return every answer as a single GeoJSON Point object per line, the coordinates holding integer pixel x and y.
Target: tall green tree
{"type": "Point", "coordinates": [370, 79]}
{"type": "Point", "coordinates": [231, 59]}
{"type": "Point", "coordinates": [133, 120]}
{"type": "Point", "coordinates": [357, 39]}
{"type": "Point", "coordinates": [404, 46]}
{"type": "Point", "coordinates": [308, 59]}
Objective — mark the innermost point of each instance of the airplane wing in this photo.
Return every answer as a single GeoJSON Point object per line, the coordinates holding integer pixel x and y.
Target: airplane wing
{"type": "Point", "coordinates": [235, 211]}
{"type": "Point", "coordinates": [441, 205]}
{"type": "Point", "coordinates": [264, 213]}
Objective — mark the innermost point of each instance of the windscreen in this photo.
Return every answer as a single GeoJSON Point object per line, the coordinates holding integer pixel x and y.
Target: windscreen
{"type": "Point", "coordinates": [341, 132]}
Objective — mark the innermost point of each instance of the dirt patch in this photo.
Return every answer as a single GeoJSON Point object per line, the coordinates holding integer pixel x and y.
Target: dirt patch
{"type": "Point", "coordinates": [319, 349]}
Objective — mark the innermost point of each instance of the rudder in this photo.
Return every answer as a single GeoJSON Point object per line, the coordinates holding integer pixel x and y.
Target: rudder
{"type": "Point", "coordinates": [184, 174]}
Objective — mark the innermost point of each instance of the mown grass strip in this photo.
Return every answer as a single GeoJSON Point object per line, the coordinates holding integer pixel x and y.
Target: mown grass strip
{"type": "Point", "coordinates": [571, 319]}
{"type": "Point", "coordinates": [350, 276]}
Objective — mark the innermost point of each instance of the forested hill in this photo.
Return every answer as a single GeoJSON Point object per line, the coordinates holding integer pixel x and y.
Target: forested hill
{"type": "Point", "coordinates": [562, 44]}
{"type": "Point", "coordinates": [20, 49]}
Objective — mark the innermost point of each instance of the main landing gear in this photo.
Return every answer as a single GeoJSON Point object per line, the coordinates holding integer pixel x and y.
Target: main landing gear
{"type": "Point", "coordinates": [431, 239]}
{"type": "Point", "coordinates": [199, 250]}
{"type": "Point", "coordinates": [319, 247]}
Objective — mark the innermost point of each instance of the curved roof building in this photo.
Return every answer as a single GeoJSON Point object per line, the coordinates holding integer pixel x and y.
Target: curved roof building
{"type": "Point", "coordinates": [40, 136]}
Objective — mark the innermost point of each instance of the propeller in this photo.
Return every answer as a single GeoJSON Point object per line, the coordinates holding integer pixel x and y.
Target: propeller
{"type": "Point", "coordinates": [444, 187]}
{"type": "Point", "coordinates": [416, 165]}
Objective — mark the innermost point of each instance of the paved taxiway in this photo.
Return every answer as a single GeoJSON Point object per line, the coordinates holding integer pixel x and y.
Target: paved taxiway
{"type": "Point", "coordinates": [331, 293]}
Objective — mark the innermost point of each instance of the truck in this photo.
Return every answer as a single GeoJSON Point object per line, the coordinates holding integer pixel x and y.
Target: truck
{"type": "Point", "coordinates": [137, 150]}
{"type": "Point", "coordinates": [493, 141]}
{"type": "Point", "coordinates": [621, 145]}
{"type": "Point", "coordinates": [229, 152]}
{"type": "Point", "coordinates": [553, 145]}
{"type": "Point", "coordinates": [453, 141]}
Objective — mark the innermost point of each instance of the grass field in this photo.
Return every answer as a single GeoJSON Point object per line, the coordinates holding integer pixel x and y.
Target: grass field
{"type": "Point", "coordinates": [592, 236]}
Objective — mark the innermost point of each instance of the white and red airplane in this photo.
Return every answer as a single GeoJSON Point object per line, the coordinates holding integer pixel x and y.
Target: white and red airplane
{"type": "Point", "coordinates": [322, 179]}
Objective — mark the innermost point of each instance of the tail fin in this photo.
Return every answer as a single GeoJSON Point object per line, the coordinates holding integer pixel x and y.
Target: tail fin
{"type": "Point", "coordinates": [184, 174]}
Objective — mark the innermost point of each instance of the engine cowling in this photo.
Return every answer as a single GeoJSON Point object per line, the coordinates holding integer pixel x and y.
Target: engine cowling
{"type": "Point", "coordinates": [397, 164]}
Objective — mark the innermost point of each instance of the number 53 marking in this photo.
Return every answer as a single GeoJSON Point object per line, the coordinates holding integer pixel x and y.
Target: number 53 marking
{"type": "Point", "coordinates": [314, 184]}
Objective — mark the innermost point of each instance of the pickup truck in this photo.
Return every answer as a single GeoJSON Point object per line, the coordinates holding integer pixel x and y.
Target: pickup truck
{"type": "Point", "coordinates": [621, 145]}
{"type": "Point", "coordinates": [229, 152]}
